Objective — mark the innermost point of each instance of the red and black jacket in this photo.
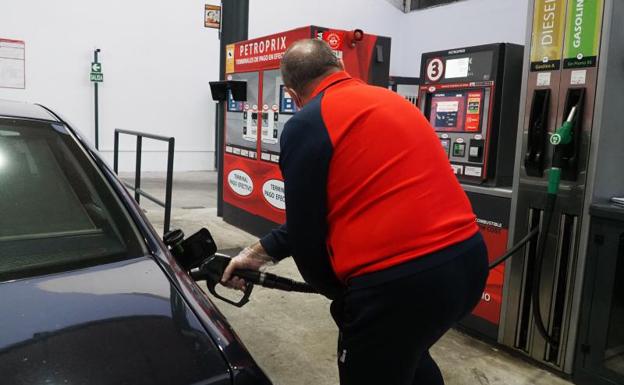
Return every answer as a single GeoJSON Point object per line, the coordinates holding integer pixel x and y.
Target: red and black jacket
{"type": "Point", "coordinates": [368, 186]}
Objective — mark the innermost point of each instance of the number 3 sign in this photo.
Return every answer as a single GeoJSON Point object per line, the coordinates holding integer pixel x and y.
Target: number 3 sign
{"type": "Point", "coordinates": [435, 70]}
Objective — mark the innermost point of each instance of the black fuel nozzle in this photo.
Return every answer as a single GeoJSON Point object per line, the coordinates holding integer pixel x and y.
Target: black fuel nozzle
{"type": "Point", "coordinates": [192, 251]}
{"type": "Point", "coordinates": [198, 256]}
{"type": "Point", "coordinates": [211, 270]}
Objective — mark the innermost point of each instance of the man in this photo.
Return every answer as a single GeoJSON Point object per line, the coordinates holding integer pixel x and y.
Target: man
{"type": "Point", "coordinates": [375, 221]}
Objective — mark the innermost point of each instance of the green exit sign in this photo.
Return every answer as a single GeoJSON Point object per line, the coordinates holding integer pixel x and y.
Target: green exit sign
{"type": "Point", "coordinates": [97, 77]}
{"type": "Point", "coordinates": [96, 72]}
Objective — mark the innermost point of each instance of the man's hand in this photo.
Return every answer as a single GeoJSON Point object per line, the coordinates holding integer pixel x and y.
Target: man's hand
{"type": "Point", "coordinates": [253, 258]}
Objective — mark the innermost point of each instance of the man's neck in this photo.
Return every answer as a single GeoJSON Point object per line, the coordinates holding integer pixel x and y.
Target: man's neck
{"type": "Point", "coordinates": [311, 86]}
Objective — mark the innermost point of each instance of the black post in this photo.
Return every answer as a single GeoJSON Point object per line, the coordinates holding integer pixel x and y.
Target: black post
{"type": "Point", "coordinates": [116, 153]}
{"type": "Point", "coordinates": [169, 184]}
{"type": "Point", "coordinates": [234, 27]}
{"type": "Point", "coordinates": [219, 142]}
{"type": "Point", "coordinates": [218, 137]}
{"type": "Point", "coordinates": [97, 112]}
{"type": "Point", "coordinates": [137, 172]}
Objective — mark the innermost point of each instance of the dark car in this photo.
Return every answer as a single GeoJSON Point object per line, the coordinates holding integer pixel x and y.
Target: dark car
{"type": "Point", "coordinates": [89, 294]}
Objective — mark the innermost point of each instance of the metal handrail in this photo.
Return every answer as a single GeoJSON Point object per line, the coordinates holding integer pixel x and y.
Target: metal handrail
{"type": "Point", "coordinates": [138, 192]}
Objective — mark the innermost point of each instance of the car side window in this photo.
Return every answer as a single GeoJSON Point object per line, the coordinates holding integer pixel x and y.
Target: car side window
{"type": "Point", "coordinates": [57, 211]}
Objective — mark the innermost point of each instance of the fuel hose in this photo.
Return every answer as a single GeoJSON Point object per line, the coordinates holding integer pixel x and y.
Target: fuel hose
{"type": "Point", "coordinates": [562, 136]}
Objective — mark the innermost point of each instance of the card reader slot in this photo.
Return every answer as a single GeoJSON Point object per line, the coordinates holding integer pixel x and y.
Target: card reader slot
{"type": "Point", "coordinates": [537, 136]}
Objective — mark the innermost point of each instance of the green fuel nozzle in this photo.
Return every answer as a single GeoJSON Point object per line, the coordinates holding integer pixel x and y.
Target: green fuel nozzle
{"type": "Point", "coordinates": [563, 135]}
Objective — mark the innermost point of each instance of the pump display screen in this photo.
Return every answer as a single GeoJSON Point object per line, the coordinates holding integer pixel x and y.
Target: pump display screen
{"type": "Point", "coordinates": [233, 105]}
{"type": "Point", "coordinates": [447, 111]}
{"type": "Point", "coordinates": [287, 103]}
{"type": "Point", "coordinates": [456, 111]}
{"type": "Point", "coordinates": [457, 68]}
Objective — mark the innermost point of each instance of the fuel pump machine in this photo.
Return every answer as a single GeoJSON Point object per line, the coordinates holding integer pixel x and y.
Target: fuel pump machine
{"type": "Point", "coordinates": [253, 190]}
{"type": "Point", "coordinates": [470, 97]}
{"type": "Point", "coordinates": [569, 155]}
{"type": "Point", "coordinates": [406, 87]}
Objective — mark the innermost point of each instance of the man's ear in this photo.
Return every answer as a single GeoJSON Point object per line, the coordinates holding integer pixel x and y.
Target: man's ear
{"type": "Point", "coordinates": [295, 97]}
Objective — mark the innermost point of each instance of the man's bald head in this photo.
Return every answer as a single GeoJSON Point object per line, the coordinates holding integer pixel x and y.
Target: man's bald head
{"type": "Point", "coordinates": [305, 61]}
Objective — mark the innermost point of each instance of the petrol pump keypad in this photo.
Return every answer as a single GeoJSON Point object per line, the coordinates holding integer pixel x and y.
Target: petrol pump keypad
{"type": "Point", "coordinates": [459, 149]}
{"type": "Point", "coordinates": [458, 115]}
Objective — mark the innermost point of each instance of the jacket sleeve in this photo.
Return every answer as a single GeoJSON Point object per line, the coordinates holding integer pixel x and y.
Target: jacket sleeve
{"type": "Point", "coordinates": [306, 151]}
{"type": "Point", "coordinates": [276, 243]}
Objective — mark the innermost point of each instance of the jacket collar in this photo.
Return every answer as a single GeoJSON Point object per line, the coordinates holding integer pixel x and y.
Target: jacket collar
{"type": "Point", "coordinates": [329, 81]}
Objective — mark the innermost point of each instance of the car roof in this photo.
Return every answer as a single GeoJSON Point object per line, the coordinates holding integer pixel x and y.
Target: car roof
{"type": "Point", "coordinates": [9, 108]}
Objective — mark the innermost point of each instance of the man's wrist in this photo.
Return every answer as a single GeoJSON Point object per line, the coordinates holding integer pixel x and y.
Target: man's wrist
{"type": "Point", "coordinates": [258, 250]}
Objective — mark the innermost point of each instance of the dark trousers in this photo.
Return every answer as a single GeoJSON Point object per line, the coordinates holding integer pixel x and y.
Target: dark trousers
{"type": "Point", "coordinates": [389, 320]}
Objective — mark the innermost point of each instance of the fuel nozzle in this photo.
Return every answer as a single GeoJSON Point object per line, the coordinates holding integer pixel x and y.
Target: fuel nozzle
{"type": "Point", "coordinates": [563, 135]}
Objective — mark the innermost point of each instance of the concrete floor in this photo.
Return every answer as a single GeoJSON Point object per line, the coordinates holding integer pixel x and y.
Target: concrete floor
{"type": "Point", "coordinates": [292, 336]}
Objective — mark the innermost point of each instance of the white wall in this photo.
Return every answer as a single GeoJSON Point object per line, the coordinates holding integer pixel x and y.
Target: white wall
{"type": "Point", "coordinates": [157, 60]}
{"type": "Point", "coordinates": [461, 24]}
{"type": "Point", "coordinates": [465, 23]}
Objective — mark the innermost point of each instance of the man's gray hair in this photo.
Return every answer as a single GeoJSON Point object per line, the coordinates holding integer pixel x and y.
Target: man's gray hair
{"type": "Point", "coordinates": [305, 61]}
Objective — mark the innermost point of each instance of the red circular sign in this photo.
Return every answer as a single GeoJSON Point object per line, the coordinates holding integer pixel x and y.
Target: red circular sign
{"type": "Point", "coordinates": [334, 40]}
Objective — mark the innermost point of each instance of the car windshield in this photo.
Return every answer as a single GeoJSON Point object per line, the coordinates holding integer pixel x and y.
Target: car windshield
{"type": "Point", "coordinates": [57, 211]}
